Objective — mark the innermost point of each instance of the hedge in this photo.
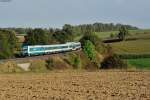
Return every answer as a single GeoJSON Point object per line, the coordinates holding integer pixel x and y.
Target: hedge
{"type": "Point", "coordinates": [134, 56]}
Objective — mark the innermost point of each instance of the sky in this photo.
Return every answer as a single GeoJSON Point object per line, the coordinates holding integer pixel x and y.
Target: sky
{"type": "Point", "coordinates": [56, 13]}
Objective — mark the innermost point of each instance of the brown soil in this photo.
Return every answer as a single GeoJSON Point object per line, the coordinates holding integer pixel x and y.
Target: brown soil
{"type": "Point", "coordinates": [104, 85]}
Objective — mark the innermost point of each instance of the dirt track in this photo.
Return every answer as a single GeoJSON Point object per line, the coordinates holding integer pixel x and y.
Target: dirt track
{"type": "Point", "coordinates": [76, 86]}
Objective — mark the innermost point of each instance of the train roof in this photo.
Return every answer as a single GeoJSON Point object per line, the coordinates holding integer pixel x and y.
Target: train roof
{"type": "Point", "coordinates": [68, 43]}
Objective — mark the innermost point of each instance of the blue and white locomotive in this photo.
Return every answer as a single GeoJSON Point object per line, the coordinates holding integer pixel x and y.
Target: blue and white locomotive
{"type": "Point", "coordinates": [48, 49]}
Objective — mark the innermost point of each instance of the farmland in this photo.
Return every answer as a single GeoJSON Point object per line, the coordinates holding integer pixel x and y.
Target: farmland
{"type": "Point", "coordinates": [114, 85]}
{"type": "Point", "coordinates": [140, 63]}
{"type": "Point", "coordinates": [137, 46]}
{"type": "Point", "coordinates": [131, 32]}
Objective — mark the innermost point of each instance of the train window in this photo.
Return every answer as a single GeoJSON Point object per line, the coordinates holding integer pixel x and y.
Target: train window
{"type": "Point", "coordinates": [55, 47]}
{"type": "Point", "coordinates": [60, 47]}
{"type": "Point", "coordinates": [70, 46]}
{"type": "Point", "coordinates": [64, 46]}
{"type": "Point", "coordinates": [37, 49]}
{"type": "Point", "coordinates": [73, 46]}
{"type": "Point", "coordinates": [78, 45]}
{"type": "Point", "coordinates": [48, 48]}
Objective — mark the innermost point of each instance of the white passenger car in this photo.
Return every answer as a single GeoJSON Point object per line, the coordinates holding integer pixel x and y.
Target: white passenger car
{"type": "Point", "coordinates": [48, 49]}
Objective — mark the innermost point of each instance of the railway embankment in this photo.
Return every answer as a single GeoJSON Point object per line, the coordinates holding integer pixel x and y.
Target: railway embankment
{"type": "Point", "coordinates": [44, 63]}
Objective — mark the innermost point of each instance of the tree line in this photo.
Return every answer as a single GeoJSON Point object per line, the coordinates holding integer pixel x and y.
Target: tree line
{"type": "Point", "coordinates": [41, 36]}
{"type": "Point", "coordinates": [79, 29]}
{"type": "Point", "coordinates": [100, 27]}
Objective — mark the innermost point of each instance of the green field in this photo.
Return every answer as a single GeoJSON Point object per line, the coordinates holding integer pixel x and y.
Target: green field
{"type": "Point", "coordinates": [137, 46]}
{"type": "Point", "coordinates": [105, 34]}
{"type": "Point", "coordinates": [140, 63]}
{"type": "Point", "coordinates": [131, 32]}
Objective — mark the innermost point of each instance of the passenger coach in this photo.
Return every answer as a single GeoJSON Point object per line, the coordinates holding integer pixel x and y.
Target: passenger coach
{"type": "Point", "coordinates": [48, 49]}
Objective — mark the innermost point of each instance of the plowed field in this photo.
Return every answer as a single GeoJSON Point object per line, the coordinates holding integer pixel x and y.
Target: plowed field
{"type": "Point", "coordinates": [104, 85]}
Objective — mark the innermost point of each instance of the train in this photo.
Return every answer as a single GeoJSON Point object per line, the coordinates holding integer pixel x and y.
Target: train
{"type": "Point", "coordinates": [31, 50]}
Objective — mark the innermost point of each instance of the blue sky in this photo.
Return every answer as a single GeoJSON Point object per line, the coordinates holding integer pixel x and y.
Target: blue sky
{"type": "Point", "coordinates": [56, 13]}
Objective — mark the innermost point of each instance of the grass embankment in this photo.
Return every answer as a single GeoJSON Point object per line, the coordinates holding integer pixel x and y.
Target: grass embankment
{"type": "Point", "coordinates": [140, 63]}
{"type": "Point", "coordinates": [68, 61]}
{"type": "Point", "coordinates": [10, 67]}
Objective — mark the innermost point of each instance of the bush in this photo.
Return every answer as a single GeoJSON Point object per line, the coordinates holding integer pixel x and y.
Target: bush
{"type": "Point", "coordinates": [73, 60]}
{"type": "Point", "coordinates": [37, 36]}
{"type": "Point", "coordinates": [89, 50]}
{"type": "Point", "coordinates": [76, 62]}
{"type": "Point", "coordinates": [91, 37]}
{"type": "Point", "coordinates": [10, 67]}
{"type": "Point", "coordinates": [7, 44]}
{"type": "Point", "coordinates": [112, 35]}
{"type": "Point", "coordinates": [122, 32]}
{"type": "Point", "coordinates": [113, 62]}
{"type": "Point", "coordinates": [91, 66]}
{"type": "Point", "coordinates": [50, 64]}
{"type": "Point", "coordinates": [38, 66]}
{"type": "Point", "coordinates": [5, 50]}
{"type": "Point", "coordinates": [97, 42]}
{"type": "Point", "coordinates": [56, 63]}
{"type": "Point", "coordinates": [64, 35]}
{"type": "Point", "coordinates": [133, 56]}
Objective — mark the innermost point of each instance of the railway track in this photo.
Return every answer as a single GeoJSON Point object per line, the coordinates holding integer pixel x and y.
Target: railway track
{"type": "Point", "coordinates": [40, 57]}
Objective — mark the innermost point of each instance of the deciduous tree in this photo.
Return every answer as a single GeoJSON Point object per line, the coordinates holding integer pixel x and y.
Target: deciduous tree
{"type": "Point", "coordinates": [8, 43]}
{"type": "Point", "coordinates": [37, 37]}
{"type": "Point", "coordinates": [122, 33]}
